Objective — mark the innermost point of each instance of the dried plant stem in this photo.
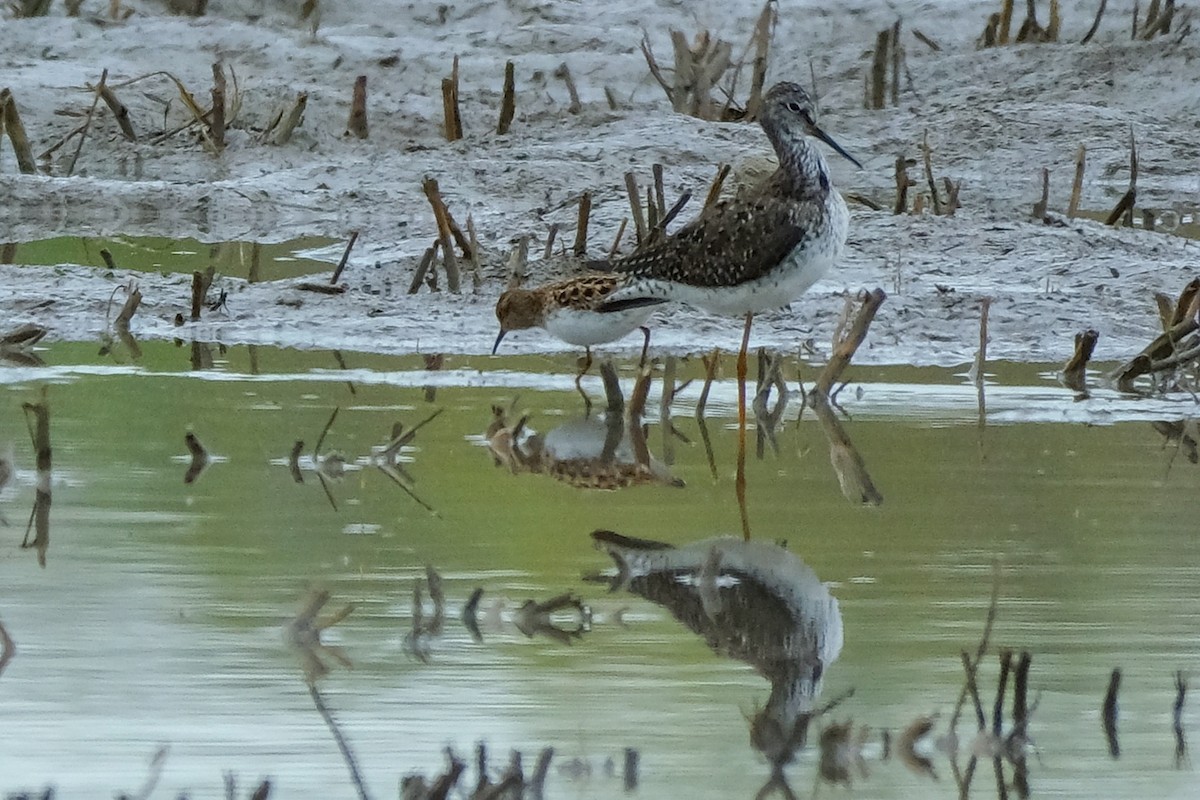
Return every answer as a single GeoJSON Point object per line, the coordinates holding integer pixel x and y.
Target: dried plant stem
{"type": "Point", "coordinates": [217, 119]}
{"type": "Point", "coordinates": [473, 255]}
{"type": "Point", "coordinates": [7, 648]}
{"type": "Point", "coordinates": [902, 184]}
{"type": "Point", "coordinates": [846, 346]}
{"type": "Point", "coordinates": [341, 265]}
{"type": "Point", "coordinates": [423, 267]}
{"type": "Point", "coordinates": [581, 229]}
{"type": "Point", "coordinates": [442, 216]}
{"type": "Point", "coordinates": [1005, 26]}
{"type": "Point", "coordinates": [1124, 206]}
{"type": "Point", "coordinates": [985, 307]}
{"type": "Point", "coordinates": [1087, 37]}
{"type": "Point", "coordinates": [927, 156]}
{"type": "Point", "coordinates": [282, 127]}
{"type": "Point", "coordinates": [356, 125]}
{"type": "Point", "coordinates": [635, 204]}
{"type": "Point", "coordinates": [714, 190]}
{"type": "Point", "coordinates": [119, 110]}
{"type": "Point", "coordinates": [763, 32]}
{"type": "Point", "coordinates": [450, 115]}
{"type": "Point", "coordinates": [508, 105]}
{"type": "Point", "coordinates": [87, 123]}
{"type": "Point", "coordinates": [10, 122]}
{"type": "Point", "coordinates": [564, 73]}
{"type": "Point", "coordinates": [612, 253]}
{"type": "Point", "coordinates": [879, 68]}
{"type": "Point", "coordinates": [1075, 369]}
{"type": "Point", "coordinates": [1042, 205]}
{"type": "Point", "coordinates": [1077, 184]}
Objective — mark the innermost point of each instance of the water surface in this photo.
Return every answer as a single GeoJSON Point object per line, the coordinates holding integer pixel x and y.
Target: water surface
{"type": "Point", "coordinates": [158, 618]}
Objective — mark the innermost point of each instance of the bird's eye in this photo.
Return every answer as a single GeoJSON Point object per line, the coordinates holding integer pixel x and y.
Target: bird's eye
{"type": "Point", "coordinates": [794, 107]}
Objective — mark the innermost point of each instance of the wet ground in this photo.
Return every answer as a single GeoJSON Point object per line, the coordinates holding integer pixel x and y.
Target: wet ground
{"type": "Point", "coordinates": [159, 616]}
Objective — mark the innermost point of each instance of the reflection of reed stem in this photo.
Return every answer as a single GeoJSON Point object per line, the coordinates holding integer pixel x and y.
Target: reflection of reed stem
{"type": "Point", "coordinates": [342, 744]}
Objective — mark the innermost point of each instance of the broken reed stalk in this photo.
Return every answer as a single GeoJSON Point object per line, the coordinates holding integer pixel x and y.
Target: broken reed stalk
{"type": "Point", "coordinates": [902, 184]}
{"type": "Point", "coordinates": [1077, 183]}
{"type": "Point", "coordinates": [508, 104]}
{"type": "Point", "coordinates": [450, 115]}
{"type": "Point", "coordinates": [551, 235]}
{"type": "Point", "coordinates": [132, 301]}
{"type": "Point", "coordinates": [1087, 37]}
{"type": "Point", "coordinates": [1109, 713]}
{"type": "Point", "coordinates": [356, 125]}
{"type": "Point", "coordinates": [10, 123]}
{"type": "Point", "coordinates": [714, 190]}
{"type": "Point", "coordinates": [442, 217]}
{"type": "Point", "coordinates": [216, 124]}
{"type": "Point", "coordinates": [897, 60]}
{"type": "Point", "coordinates": [847, 345]}
{"type": "Point", "coordinates": [120, 111]}
{"type": "Point", "coordinates": [198, 291]}
{"type": "Point", "coordinates": [928, 157]}
{"type": "Point", "coordinates": [612, 251]}
{"type": "Point", "coordinates": [1042, 205]}
{"type": "Point", "coordinates": [985, 306]}
{"type": "Point", "coordinates": [1163, 353]}
{"type": "Point", "coordinates": [7, 648]}
{"type": "Point", "coordinates": [337, 272]}
{"type": "Point", "coordinates": [660, 200]}
{"type": "Point", "coordinates": [879, 68]}
{"type": "Point", "coordinates": [1124, 206]}
{"type": "Point", "coordinates": [423, 267]}
{"type": "Point", "coordinates": [1005, 27]}
{"type": "Point", "coordinates": [635, 203]}
{"type": "Point", "coordinates": [763, 32]}
{"type": "Point", "coordinates": [281, 130]}
{"type": "Point", "coordinates": [1074, 371]}
{"type": "Point", "coordinates": [87, 123]}
{"type": "Point", "coordinates": [581, 228]}
{"type": "Point", "coordinates": [473, 256]}
{"type": "Point", "coordinates": [564, 73]}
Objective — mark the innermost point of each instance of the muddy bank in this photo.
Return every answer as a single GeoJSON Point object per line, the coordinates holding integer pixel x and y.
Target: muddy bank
{"type": "Point", "coordinates": [995, 118]}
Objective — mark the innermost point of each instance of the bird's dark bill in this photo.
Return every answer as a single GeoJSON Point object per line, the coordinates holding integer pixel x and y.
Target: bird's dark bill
{"type": "Point", "coordinates": [824, 137]}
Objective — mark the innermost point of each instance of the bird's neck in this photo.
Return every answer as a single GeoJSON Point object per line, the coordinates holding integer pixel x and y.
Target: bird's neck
{"type": "Point", "coordinates": [803, 172]}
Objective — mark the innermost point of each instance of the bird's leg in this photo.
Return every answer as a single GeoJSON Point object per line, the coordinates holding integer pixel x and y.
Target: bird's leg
{"type": "Point", "coordinates": [740, 484]}
{"type": "Point", "coordinates": [587, 364]}
{"type": "Point", "coordinates": [645, 346]}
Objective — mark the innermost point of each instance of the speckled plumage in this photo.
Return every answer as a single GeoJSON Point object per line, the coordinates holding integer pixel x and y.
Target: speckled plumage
{"type": "Point", "coordinates": [761, 249]}
{"type": "Point", "coordinates": [568, 310]}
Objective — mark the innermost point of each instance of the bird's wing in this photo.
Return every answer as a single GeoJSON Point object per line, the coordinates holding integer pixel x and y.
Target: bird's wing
{"type": "Point", "coordinates": [732, 242]}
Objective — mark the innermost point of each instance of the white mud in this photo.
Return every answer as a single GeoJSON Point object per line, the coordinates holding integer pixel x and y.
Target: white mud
{"type": "Point", "coordinates": [994, 117]}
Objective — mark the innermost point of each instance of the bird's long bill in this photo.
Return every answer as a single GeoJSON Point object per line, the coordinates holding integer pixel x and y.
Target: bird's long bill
{"type": "Point", "coordinates": [498, 339]}
{"type": "Point", "coordinates": [824, 137]}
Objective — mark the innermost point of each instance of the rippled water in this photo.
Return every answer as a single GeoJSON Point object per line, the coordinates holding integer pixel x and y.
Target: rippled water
{"type": "Point", "coordinates": [159, 616]}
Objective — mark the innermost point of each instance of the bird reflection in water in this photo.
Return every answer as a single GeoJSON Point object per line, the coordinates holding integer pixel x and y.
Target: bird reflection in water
{"type": "Point", "coordinates": [606, 451]}
{"type": "Point", "coordinates": [751, 601]}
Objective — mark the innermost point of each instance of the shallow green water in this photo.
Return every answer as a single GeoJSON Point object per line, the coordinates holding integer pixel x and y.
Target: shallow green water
{"type": "Point", "coordinates": [253, 261]}
{"type": "Point", "coordinates": [158, 617]}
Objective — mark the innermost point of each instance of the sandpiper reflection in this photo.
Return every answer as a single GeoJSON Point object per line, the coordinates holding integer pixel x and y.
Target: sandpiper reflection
{"type": "Point", "coordinates": [752, 601]}
{"type": "Point", "coordinates": [596, 451]}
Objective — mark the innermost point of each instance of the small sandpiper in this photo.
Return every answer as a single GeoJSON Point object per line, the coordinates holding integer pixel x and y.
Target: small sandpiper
{"type": "Point", "coordinates": [567, 310]}
{"type": "Point", "coordinates": [756, 251]}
